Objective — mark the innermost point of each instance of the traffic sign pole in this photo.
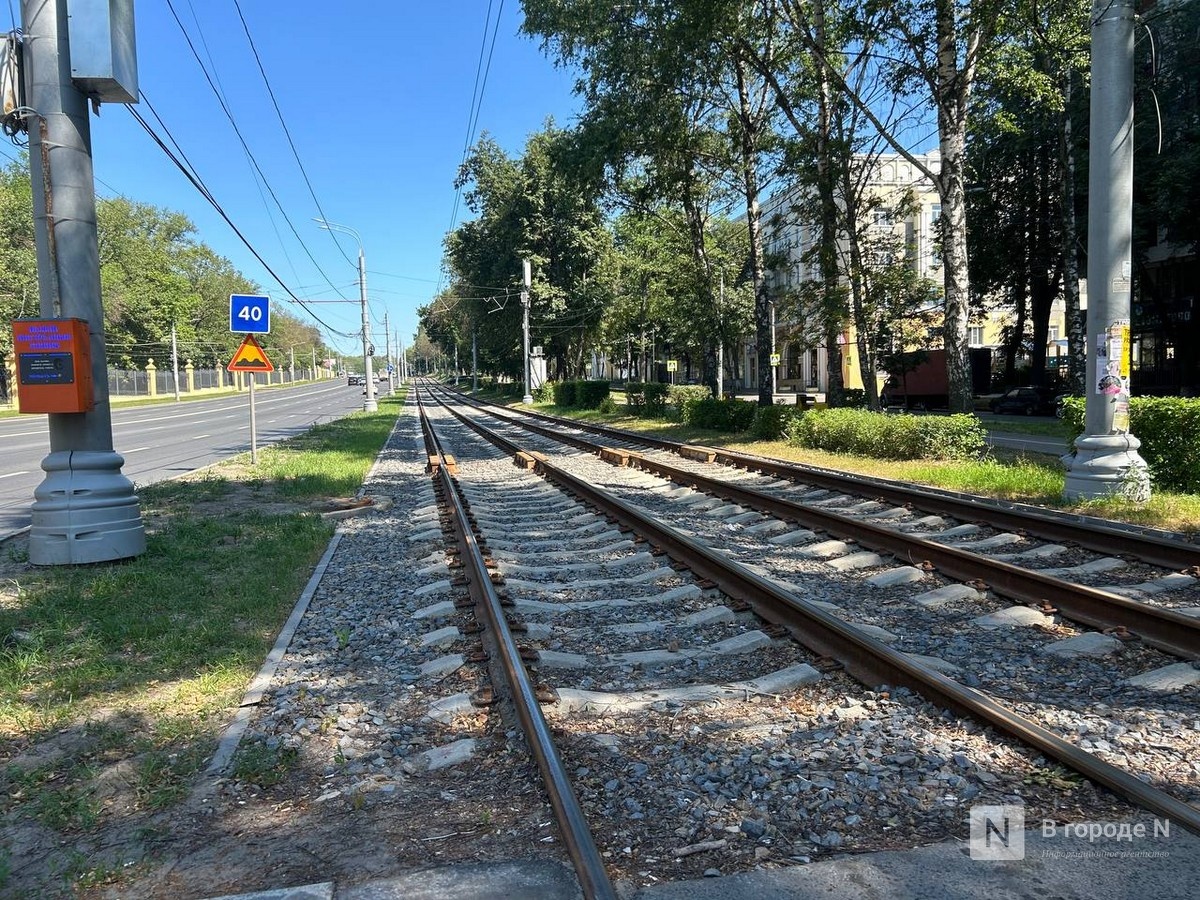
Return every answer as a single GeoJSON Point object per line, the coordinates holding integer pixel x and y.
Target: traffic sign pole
{"type": "Point", "coordinates": [251, 359]}
{"type": "Point", "coordinates": [253, 424]}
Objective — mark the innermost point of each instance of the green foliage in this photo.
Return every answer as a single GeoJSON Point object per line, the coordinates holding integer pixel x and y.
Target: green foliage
{"type": "Point", "coordinates": [580, 394]}
{"type": "Point", "coordinates": [721, 415]}
{"type": "Point", "coordinates": [888, 436]}
{"type": "Point", "coordinates": [684, 397]}
{"type": "Point", "coordinates": [541, 206]}
{"type": "Point", "coordinates": [590, 394]}
{"type": "Point", "coordinates": [263, 765]}
{"type": "Point", "coordinates": [544, 392]}
{"type": "Point", "coordinates": [772, 422]}
{"type": "Point", "coordinates": [647, 398]}
{"type": "Point", "coordinates": [608, 406]}
{"type": "Point", "coordinates": [1167, 428]}
{"type": "Point", "coordinates": [1073, 414]}
{"type": "Point", "coordinates": [565, 392]}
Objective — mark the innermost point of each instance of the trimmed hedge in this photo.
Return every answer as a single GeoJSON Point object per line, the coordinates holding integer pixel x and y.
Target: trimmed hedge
{"type": "Point", "coordinates": [590, 394]}
{"type": "Point", "coordinates": [647, 398]}
{"type": "Point", "coordinates": [772, 422]}
{"type": "Point", "coordinates": [884, 436]}
{"type": "Point", "coordinates": [720, 415]}
{"type": "Point", "coordinates": [685, 396]}
{"type": "Point", "coordinates": [1167, 428]}
{"type": "Point", "coordinates": [564, 393]}
{"type": "Point", "coordinates": [580, 394]}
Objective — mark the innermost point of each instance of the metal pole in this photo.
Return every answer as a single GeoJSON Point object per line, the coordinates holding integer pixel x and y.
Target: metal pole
{"type": "Point", "coordinates": [528, 398]}
{"type": "Point", "coordinates": [721, 346]}
{"type": "Point", "coordinates": [474, 359]}
{"type": "Point", "coordinates": [314, 363]}
{"type": "Point", "coordinates": [253, 423]}
{"type": "Point", "coordinates": [369, 405]}
{"type": "Point", "coordinates": [85, 509]}
{"type": "Point", "coordinates": [174, 362]}
{"type": "Point", "coordinates": [292, 351]}
{"type": "Point", "coordinates": [1106, 460]}
{"type": "Point", "coordinates": [387, 340]}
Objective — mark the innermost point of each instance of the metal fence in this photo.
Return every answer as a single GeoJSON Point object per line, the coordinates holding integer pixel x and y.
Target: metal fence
{"type": "Point", "coordinates": [138, 383]}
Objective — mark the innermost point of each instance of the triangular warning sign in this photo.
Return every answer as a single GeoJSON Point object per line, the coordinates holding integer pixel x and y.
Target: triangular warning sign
{"type": "Point", "coordinates": [250, 358]}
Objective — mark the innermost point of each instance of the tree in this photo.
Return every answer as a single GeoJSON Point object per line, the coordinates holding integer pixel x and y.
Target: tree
{"type": "Point", "coordinates": [541, 207]}
{"type": "Point", "coordinates": [18, 256]}
{"type": "Point", "coordinates": [680, 71]}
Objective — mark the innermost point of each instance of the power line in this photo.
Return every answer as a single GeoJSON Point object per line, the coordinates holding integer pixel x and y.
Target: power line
{"type": "Point", "coordinates": [184, 165]}
{"type": "Point", "coordinates": [245, 146]}
{"type": "Point", "coordinates": [476, 102]}
{"type": "Point", "coordinates": [291, 143]}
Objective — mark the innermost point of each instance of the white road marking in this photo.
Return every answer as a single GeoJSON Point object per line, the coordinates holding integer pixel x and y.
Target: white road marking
{"type": "Point", "coordinates": [134, 450]}
{"type": "Point", "coordinates": [11, 474]}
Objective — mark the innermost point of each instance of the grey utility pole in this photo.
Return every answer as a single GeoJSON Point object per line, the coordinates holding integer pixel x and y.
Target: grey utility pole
{"type": "Point", "coordinates": [85, 510]}
{"type": "Point", "coordinates": [1106, 460]}
{"type": "Point", "coordinates": [369, 404]}
{"type": "Point", "coordinates": [528, 398]}
{"type": "Point", "coordinates": [475, 359]}
{"type": "Point", "coordinates": [387, 341]}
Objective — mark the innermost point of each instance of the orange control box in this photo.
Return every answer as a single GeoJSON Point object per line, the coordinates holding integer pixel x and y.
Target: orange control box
{"type": "Point", "coordinates": [54, 365]}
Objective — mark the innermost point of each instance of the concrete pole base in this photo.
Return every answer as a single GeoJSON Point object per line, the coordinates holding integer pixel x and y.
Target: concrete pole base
{"type": "Point", "coordinates": [1105, 466]}
{"type": "Point", "coordinates": [85, 511]}
{"type": "Point", "coordinates": [370, 406]}
{"type": "Point", "coordinates": [527, 399]}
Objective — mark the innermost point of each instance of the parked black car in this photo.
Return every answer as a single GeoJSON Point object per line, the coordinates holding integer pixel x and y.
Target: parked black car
{"type": "Point", "coordinates": [1027, 401]}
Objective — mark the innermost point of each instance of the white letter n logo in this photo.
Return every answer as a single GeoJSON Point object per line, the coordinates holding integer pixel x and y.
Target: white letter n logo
{"type": "Point", "coordinates": [998, 832]}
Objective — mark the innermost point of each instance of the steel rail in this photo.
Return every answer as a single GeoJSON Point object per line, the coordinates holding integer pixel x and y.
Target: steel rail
{"type": "Point", "coordinates": [581, 845]}
{"type": "Point", "coordinates": [1164, 629]}
{"type": "Point", "coordinates": [867, 659]}
{"type": "Point", "coordinates": [1092, 535]}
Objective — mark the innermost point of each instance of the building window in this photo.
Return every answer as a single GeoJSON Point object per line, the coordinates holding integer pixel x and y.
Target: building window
{"type": "Point", "coordinates": [975, 336]}
{"type": "Point", "coordinates": [813, 367]}
{"type": "Point", "coordinates": [1052, 334]}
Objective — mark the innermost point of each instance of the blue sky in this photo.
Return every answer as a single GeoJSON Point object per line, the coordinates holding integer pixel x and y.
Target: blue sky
{"type": "Point", "coordinates": [376, 95]}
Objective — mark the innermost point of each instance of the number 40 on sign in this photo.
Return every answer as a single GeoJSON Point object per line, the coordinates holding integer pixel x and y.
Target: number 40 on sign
{"type": "Point", "coordinates": [249, 314]}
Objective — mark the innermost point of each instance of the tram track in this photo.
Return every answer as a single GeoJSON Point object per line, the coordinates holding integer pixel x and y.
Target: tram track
{"type": "Point", "coordinates": [1105, 609]}
{"type": "Point", "coordinates": [824, 634]}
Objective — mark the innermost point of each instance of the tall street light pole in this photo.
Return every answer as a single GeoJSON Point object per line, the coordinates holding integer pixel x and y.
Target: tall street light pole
{"type": "Point", "coordinates": [369, 404]}
{"type": "Point", "coordinates": [85, 511]}
{"type": "Point", "coordinates": [527, 281]}
{"type": "Point", "coordinates": [1106, 461]}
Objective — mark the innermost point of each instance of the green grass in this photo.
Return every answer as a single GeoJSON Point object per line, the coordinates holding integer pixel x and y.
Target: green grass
{"type": "Point", "coordinates": [144, 660]}
{"type": "Point", "coordinates": [1006, 474]}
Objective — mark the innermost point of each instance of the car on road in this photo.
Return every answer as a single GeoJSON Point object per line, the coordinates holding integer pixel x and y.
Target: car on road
{"type": "Point", "coordinates": [1027, 401]}
{"type": "Point", "coordinates": [353, 378]}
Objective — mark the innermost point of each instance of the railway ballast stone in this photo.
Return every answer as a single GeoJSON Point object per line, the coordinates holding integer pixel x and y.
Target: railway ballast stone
{"type": "Point", "coordinates": [1091, 643]}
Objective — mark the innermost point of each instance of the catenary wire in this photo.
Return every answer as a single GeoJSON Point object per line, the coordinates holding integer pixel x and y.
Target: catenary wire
{"type": "Point", "coordinates": [278, 112]}
{"type": "Point", "coordinates": [245, 146]}
{"type": "Point", "coordinates": [198, 183]}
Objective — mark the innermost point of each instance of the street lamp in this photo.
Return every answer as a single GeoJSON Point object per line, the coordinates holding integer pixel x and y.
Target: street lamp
{"type": "Point", "coordinates": [369, 405]}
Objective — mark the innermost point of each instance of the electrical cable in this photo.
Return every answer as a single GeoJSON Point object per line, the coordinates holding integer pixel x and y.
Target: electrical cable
{"type": "Point", "coordinates": [278, 112]}
{"type": "Point", "coordinates": [199, 185]}
{"type": "Point", "coordinates": [476, 104]}
{"type": "Point", "coordinates": [246, 147]}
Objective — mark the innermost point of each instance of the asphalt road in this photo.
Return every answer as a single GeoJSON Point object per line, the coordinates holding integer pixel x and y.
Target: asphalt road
{"type": "Point", "coordinates": [165, 440]}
